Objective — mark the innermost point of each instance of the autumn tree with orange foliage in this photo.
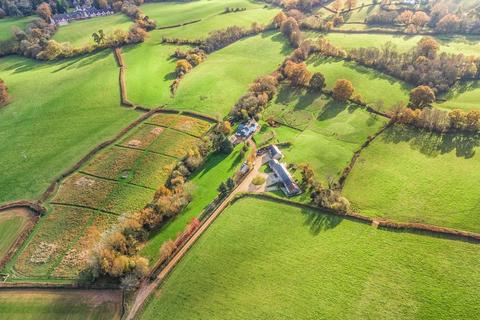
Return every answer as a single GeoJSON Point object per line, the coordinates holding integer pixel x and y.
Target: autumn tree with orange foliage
{"type": "Point", "coordinates": [44, 11]}
{"type": "Point", "coordinates": [421, 96]}
{"type": "Point", "coordinates": [297, 73]}
{"type": "Point", "coordinates": [4, 97]}
{"type": "Point", "coordinates": [343, 90]}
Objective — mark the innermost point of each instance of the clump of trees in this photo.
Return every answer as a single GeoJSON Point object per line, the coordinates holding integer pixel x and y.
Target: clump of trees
{"type": "Point", "coordinates": [222, 38]}
{"type": "Point", "coordinates": [259, 94]}
{"type": "Point", "coordinates": [231, 9]}
{"type": "Point", "coordinates": [422, 65]}
{"type": "Point", "coordinates": [328, 197]}
{"type": "Point", "coordinates": [440, 16]}
{"type": "Point", "coordinates": [342, 90]}
{"type": "Point", "coordinates": [422, 96]}
{"type": "Point", "coordinates": [289, 27]}
{"type": "Point", "coordinates": [297, 74]}
{"type": "Point", "coordinates": [187, 61]}
{"type": "Point", "coordinates": [4, 97]}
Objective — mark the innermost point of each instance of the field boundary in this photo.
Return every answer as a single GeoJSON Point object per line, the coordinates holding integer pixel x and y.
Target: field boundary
{"type": "Point", "coordinates": [178, 25]}
{"type": "Point", "coordinates": [36, 211]}
{"type": "Point", "coordinates": [390, 225]}
{"type": "Point", "coordinates": [53, 186]}
{"type": "Point", "coordinates": [346, 171]}
{"type": "Point", "coordinates": [121, 78]}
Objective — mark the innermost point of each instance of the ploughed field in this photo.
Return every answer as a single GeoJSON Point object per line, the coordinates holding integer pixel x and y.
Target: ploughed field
{"type": "Point", "coordinates": [262, 259]}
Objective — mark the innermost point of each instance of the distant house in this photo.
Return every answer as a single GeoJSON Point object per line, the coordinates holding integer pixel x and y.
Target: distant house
{"type": "Point", "coordinates": [246, 130]}
{"type": "Point", "coordinates": [287, 184]}
{"type": "Point", "coordinates": [80, 13]}
{"type": "Point", "coordinates": [274, 152]}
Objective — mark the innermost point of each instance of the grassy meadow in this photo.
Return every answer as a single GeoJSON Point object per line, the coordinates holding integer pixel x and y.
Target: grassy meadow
{"type": "Point", "coordinates": [150, 70]}
{"type": "Point", "coordinates": [467, 45]}
{"type": "Point", "coordinates": [372, 85]}
{"type": "Point", "coordinates": [12, 223]}
{"type": "Point", "coordinates": [56, 304]}
{"type": "Point", "coordinates": [215, 85]}
{"type": "Point", "coordinates": [58, 112]}
{"type": "Point", "coordinates": [322, 132]}
{"type": "Point", "coordinates": [243, 19]}
{"type": "Point", "coordinates": [7, 23]}
{"type": "Point", "coordinates": [264, 260]}
{"type": "Point", "coordinates": [79, 33]}
{"type": "Point", "coordinates": [464, 96]}
{"type": "Point", "coordinates": [172, 13]}
{"type": "Point", "coordinates": [413, 176]}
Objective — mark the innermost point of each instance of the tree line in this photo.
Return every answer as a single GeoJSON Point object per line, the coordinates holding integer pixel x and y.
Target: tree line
{"type": "Point", "coordinates": [422, 65]}
{"type": "Point", "coordinates": [439, 120]}
{"type": "Point", "coordinates": [439, 16]}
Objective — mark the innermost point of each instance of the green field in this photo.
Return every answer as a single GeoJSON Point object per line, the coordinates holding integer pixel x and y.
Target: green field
{"type": "Point", "coordinates": [215, 85]}
{"type": "Point", "coordinates": [467, 45]}
{"type": "Point", "coordinates": [330, 141]}
{"type": "Point", "coordinates": [59, 112]}
{"type": "Point", "coordinates": [412, 176]}
{"type": "Point", "coordinates": [220, 21]}
{"type": "Point", "coordinates": [217, 169]}
{"type": "Point", "coordinates": [263, 260]}
{"type": "Point", "coordinates": [172, 13]}
{"type": "Point", "coordinates": [322, 133]}
{"type": "Point", "coordinates": [12, 223]}
{"type": "Point", "coordinates": [464, 96]}
{"type": "Point", "coordinates": [79, 33]}
{"type": "Point", "coordinates": [150, 70]}
{"type": "Point", "coordinates": [372, 85]}
{"type": "Point", "coordinates": [55, 304]}
{"type": "Point", "coordinates": [6, 25]}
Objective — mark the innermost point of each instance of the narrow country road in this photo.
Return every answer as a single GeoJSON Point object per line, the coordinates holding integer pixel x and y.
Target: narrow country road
{"type": "Point", "coordinates": [147, 287]}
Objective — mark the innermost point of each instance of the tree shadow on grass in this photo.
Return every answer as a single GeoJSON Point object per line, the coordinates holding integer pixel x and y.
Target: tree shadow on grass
{"type": "Point", "coordinates": [433, 144]}
{"type": "Point", "coordinates": [318, 222]}
{"type": "Point", "coordinates": [334, 108]}
{"type": "Point", "coordinates": [286, 48]}
{"type": "Point", "coordinates": [170, 76]}
{"type": "Point", "coordinates": [460, 89]}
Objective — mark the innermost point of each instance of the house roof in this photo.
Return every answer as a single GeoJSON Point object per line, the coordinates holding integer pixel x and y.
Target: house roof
{"type": "Point", "coordinates": [274, 150]}
{"type": "Point", "coordinates": [284, 176]}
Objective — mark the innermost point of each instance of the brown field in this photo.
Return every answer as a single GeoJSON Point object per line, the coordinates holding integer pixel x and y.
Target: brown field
{"type": "Point", "coordinates": [154, 170]}
{"type": "Point", "coordinates": [77, 257]}
{"type": "Point", "coordinates": [55, 233]}
{"type": "Point", "coordinates": [173, 143]}
{"type": "Point", "coordinates": [49, 304]}
{"type": "Point", "coordinates": [83, 190]}
{"type": "Point", "coordinates": [113, 162]}
{"type": "Point", "coordinates": [142, 137]}
{"type": "Point", "coordinates": [193, 126]}
{"type": "Point", "coordinates": [163, 119]}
